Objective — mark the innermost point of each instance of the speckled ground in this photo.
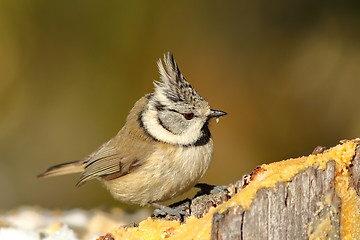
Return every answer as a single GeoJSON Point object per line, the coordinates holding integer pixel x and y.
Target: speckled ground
{"type": "Point", "coordinates": [35, 223]}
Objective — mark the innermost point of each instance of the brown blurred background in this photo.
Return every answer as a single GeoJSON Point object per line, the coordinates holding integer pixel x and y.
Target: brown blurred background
{"type": "Point", "coordinates": [288, 74]}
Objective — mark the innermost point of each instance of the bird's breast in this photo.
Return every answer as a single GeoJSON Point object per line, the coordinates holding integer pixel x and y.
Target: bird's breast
{"type": "Point", "coordinates": [168, 172]}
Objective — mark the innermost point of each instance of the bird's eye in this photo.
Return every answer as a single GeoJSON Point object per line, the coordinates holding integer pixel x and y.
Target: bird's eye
{"type": "Point", "coordinates": [188, 116]}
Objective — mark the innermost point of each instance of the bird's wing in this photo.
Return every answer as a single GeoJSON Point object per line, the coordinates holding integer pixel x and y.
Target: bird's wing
{"type": "Point", "coordinates": [108, 163]}
{"type": "Point", "coordinates": [121, 154]}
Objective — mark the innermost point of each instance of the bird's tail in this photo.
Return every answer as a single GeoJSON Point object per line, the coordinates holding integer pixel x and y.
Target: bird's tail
{"type": "Point", "coordinates": [63, 168]}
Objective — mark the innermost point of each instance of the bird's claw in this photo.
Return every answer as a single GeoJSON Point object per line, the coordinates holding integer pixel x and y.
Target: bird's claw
{"type": "Point", "coordinates": [162, 211]}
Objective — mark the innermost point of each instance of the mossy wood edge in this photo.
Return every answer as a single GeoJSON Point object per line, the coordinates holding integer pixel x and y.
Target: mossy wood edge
{"type": "Point", "coordinates": [307, 207]}
{"type": "Point", "coordinates": [286, 211]}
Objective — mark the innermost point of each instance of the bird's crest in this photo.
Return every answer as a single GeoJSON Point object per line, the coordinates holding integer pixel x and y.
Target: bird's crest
{"type": "Point", "coordinates": [173, 84]}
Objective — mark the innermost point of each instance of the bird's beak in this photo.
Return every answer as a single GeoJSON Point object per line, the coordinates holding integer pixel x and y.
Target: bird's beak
{"type": "Point", "coordinates": [216, 113]}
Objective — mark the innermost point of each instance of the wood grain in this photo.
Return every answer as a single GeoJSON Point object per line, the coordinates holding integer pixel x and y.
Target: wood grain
{"type": "Point", "coordinates": [305, 207]}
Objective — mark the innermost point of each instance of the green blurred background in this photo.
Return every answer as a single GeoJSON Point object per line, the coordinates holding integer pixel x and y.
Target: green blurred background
{"type": "Point", "coordinates": [287, 72]}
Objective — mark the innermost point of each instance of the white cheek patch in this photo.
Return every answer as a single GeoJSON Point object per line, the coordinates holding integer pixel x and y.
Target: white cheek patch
{"type": "Point", "coordinates": [152, 125]}
{"type": "Point", "coordinates": [217, 120]}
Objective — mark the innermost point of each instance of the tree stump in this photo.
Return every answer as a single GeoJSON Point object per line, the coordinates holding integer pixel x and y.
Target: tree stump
{"type": "Point", "coordinates": [292, 210]}
{"type": "Point", "coordinates": [313, 197]}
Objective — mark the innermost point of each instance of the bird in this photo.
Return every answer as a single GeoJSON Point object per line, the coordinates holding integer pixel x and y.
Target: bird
{"type": "Point", "coordinates": [163, 149]}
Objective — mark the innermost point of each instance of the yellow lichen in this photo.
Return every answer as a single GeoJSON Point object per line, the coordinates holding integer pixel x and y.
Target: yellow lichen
{"type": "Point", "coordinates": [324, 220]}
{"type": "Point", "coordinates": [284, 171]}
{"type": "Point", "coordinates": [195, 228]}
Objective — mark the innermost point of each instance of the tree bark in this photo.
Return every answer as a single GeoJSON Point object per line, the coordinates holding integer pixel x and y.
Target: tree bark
{"type": "Point", "coordinates": [291, 210]}
{"type": "Point", "coordinates": [307, 207]}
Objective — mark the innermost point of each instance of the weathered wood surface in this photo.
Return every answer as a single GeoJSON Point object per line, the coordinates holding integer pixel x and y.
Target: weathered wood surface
{"type": "Point", "coordinates": [291, 210]}
{"type": "Point", "coordinates": [355, 171]}
{"type": "Point", "coordinates": [307, 207]}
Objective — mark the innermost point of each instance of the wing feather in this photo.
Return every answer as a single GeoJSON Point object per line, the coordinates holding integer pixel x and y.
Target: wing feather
{"type": "Point", "coordinates": [104, 162]}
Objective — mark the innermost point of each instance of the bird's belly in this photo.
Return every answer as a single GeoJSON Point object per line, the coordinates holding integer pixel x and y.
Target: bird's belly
{"type": "Point", "coordinates": [169, 172]}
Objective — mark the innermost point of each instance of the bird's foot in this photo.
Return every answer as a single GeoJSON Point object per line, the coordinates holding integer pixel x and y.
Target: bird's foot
{"type": "Point", "coordinates": [211, 189]}
{"type": "Point", "coordinates": [169, 213]}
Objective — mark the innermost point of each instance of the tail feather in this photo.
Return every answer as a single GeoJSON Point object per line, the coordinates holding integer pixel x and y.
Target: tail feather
{"type": "Point", "coordinates": [63, 168]}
